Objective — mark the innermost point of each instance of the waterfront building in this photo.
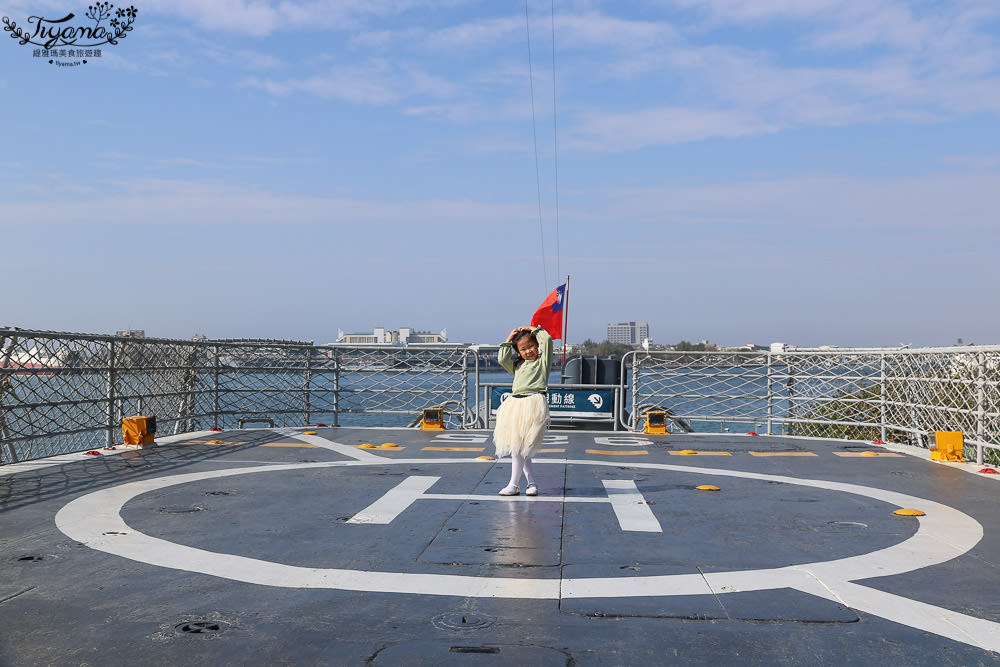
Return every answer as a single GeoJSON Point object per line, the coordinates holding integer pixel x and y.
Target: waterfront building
{"type": "Point", "coordinates": [383, 336]}
{"type": "Point", "coordinates": [628, 333]}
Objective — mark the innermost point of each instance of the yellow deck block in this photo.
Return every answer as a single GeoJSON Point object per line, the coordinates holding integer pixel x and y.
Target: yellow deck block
{"type": "Point", "coordinates": [949, 446]}
{"type": "Point", "coordinates": [138, 430]}
{"type": "Point", "coordinates": [909, 512]}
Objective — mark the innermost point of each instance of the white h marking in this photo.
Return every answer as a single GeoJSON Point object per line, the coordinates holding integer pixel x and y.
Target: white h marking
{"type": "Point", "coordinates": [630, 507]}
{"type": "Point", "coordinates": [392, 504]}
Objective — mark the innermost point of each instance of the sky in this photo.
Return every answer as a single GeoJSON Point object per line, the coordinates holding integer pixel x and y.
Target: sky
{"type": "Point", "coordinates": [814, 172]}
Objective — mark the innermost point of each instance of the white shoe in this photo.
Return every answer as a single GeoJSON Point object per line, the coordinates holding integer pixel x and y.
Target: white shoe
{"type": "Point", "coordinates": [510, 490]}
{"type": "Point", "coordinates": [532, 490]}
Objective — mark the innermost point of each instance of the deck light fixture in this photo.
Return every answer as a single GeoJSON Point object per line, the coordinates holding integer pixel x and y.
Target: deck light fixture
{"type": "Point", "coordinates": [432, 419]}
{"type": "Point", "coordinates": [656, 422]}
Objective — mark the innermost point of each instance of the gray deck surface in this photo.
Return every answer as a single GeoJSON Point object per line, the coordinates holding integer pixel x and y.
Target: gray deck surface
{"type": "Point", "coordinates": [279, 547]}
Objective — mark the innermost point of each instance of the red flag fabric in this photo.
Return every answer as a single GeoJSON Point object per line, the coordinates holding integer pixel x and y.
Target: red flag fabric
{"type": "Point", "coordinates": [550, 314]}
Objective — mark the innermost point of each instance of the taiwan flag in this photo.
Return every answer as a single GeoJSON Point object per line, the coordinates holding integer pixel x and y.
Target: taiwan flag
{"type": "Point", "coordinates": [550, 314]}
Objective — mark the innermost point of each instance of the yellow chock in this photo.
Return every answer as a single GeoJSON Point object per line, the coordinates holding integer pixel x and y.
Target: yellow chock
{"type": "Point", "coordinates": [432, 420]}
{"type": "Point", "coordinates": [869, 453]}
{"type": "Point", "coordinates": [707, 487]}
{"type": "Point", "coordinates": [485, 458]}
{"type": "Point", "coordinates": [389, 445]}
{"type": "Point", "coordinates": [214, 442]}
{"type": "Point", "coordinates": [308, 432]}
{"type": "Point", "coordinates": [367, 445]}
{"type": "Point", "coordinates": [687, 452]}
{"type": "Point", "coordinates": [656, 423]}
{"type": "Point", "coordinates": [906, 511]}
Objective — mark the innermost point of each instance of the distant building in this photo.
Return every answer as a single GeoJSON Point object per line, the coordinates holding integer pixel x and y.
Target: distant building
{"type": "Point", "coordinates": [131, 333]}
{"type": "Point", "coordinates": [628, 333]}
{"type": "Point", "coordinates": [383, 336]}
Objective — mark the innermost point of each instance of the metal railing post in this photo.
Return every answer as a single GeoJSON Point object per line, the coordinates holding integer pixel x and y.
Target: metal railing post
{"type": "Point", "coordinates": [308, 387]}
{"type": "Point", "coordinates": [881, 398]}
{"type": "Point", "coordinates": [465, 386]}
{"type": "Point", "coordinates": [215, 386]}
{"type": "Point", "coordinates": [4, 390]}
{"type": "Point", "coordinates": [336, 388]}
{"type": "Point", "coordinates": [476, 407]}
{"type": "Point", "coordinates": [980, 406]}
{"type": "Point", "coordinates": [634, 420]}
{"type": "Point", "coordinates": [770, 392]}
{"type": "Point", "coordinates": [110, 395]}
{"type": "Point", "coordinates": [790, 383]}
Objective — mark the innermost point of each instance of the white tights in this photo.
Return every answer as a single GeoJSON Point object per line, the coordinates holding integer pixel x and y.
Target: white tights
{"type": "Point", "coordinates": [518, 465]}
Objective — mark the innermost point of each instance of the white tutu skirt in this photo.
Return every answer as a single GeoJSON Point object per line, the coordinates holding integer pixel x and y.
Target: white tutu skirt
{"type": "Point", "coordinates": [521, 424]}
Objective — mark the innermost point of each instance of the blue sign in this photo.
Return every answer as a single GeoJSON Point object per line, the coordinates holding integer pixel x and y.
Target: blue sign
{"type": "Point", "coordinates": [592, 403]}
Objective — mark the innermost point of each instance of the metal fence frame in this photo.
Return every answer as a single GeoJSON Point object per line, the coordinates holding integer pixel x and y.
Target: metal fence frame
{"type": "Point", "coordinates": [886, 394]}
{"type": "Point", "coordinates": [62, 392]}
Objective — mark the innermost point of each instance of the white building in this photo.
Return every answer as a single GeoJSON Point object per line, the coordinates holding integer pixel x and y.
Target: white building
{"type": "Point", "coordinates": [382, 336]}
{"type": "Point", "coordinates": [628, 333]}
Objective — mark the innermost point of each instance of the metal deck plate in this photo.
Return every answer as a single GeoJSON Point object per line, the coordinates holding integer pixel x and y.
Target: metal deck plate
{"type": "Point", "coordinates": [277, 546]}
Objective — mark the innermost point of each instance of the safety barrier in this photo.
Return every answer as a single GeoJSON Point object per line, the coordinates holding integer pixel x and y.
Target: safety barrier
{"type": "Point", "coordinates": [899, 395]}
{"type": "Point", "coordinates": [68, 392]}
{"type": "Point", "coordinates": [64, 392]}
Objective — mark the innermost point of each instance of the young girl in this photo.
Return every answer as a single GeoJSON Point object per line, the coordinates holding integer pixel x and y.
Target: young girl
{"type": "Point", "coordinates": [523, 417]}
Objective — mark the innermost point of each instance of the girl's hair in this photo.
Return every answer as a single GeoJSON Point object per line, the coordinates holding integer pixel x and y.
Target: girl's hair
{"type": "Point", "coordinates": [522, 335]}
{"type": "Point", "coordinates": [517, 354]}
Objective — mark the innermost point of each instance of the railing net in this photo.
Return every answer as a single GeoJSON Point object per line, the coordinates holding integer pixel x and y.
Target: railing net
{"type": "Point", "coordinates": [889, 395]}
{"type": "Point", "coordinates": [69, 392]}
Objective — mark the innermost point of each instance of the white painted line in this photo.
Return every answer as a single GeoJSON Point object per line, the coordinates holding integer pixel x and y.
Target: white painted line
{"type": "Point", "coordinates": [346, 450]}
{"type": "Point", "coordinates": [395, 501]}
{"type": "Point", "coordinates": [513, 499]}
{"type": "Point", "coordinates": [944, 533]}
{"type": "Point", "coordinates": [622, 441]}
{"type": "Point", "coordinates": [960, 627]}
{"type": "Point", "coordinates": [630, 507]}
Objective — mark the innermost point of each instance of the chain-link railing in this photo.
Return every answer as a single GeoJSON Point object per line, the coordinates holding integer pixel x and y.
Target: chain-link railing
{"type": "Point", "coordinates": [900, 395]}
{"type": "Point", "coordinates": [69, 392]}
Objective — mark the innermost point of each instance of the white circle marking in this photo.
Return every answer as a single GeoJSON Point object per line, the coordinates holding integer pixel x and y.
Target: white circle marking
{"type": "Point", "coordinates": [95, 520]}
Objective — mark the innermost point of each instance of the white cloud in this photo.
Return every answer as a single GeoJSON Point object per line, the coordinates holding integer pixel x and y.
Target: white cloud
{"type": "Point", "coordinates": [167, 201]}
{"type": "Point", "coordinates": [372, 83]}
{"type": "Point", "coordinates": [854, 205]}
{"type": "Point", "coordinates": [624, 131]}
{"type": "Point", "coordinates": [264, 17]}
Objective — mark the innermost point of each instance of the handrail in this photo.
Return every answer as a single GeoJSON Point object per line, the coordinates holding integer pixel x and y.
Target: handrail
{"type": "Point", "coordinates": [62, 392]}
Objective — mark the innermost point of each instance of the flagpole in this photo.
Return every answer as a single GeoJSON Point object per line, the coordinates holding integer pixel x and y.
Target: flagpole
{"type": "Point", "coordinates": [565, 319]}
